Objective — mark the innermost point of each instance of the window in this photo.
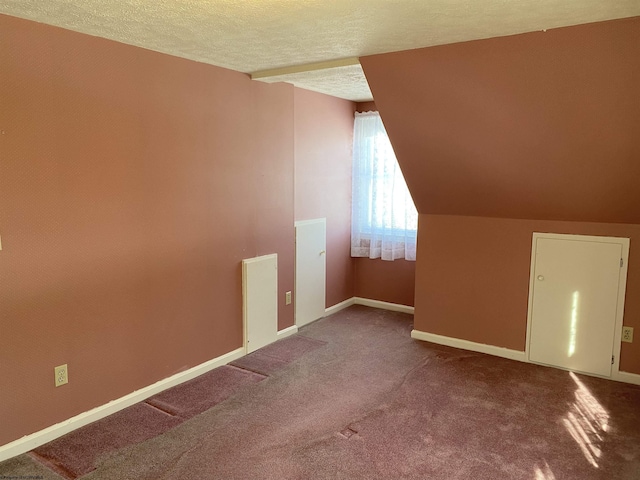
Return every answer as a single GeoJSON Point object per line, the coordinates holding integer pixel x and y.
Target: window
{"type": "Point", "coordinates": [384, 220]}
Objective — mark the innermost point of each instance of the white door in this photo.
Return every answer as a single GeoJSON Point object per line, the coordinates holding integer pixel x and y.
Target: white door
{"type": "Point", "coordinates": [310, 270]}
{"type": "Point", "coordinates": [260, 301]}
{"type": "Point", "coordinates": [574, 303]}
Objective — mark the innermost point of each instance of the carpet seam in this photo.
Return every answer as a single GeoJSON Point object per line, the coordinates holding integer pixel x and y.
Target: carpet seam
{"type": "Point", "coordinates": [55, 467]}
{"type": "Point", "coordinates": [252, 371]}
{"type": "Point", "coordinates": [166, 412]}
{"type": "Point", "coordinates": [247, 370]}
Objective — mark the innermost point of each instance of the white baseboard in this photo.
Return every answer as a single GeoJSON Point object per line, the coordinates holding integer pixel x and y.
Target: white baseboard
{"type": "Point", "coordinates": [34, 440]}
{"type": "Point", "coordinates": [394, 307]}
{"type": "Point", "coordinates": [287, 332]}
{"type": "Point", "coordinates": [472, 346]}
{"type": "Point", "coordinates": [340, 306]}
{"type": "Point", "coordinates": [626, 377]}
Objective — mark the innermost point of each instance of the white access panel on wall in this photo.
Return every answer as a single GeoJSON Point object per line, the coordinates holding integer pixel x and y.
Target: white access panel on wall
{"type": "Point", "coordinates": [576, 301]}
{"type": "Point", "coordinates": [310, 270]}
{"type": "Point", "coordinates": [260, 301]}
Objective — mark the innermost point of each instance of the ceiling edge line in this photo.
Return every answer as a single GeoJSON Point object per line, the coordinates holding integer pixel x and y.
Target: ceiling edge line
{"type": "Point", "coordinates": [309, 67]}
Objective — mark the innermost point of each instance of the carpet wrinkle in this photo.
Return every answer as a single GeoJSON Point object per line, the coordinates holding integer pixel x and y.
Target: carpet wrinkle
{"type": "Point", "coordinates": [76, 453]}
{"type": "Point", "coordinates": [420, 412]}
{"type": "Point", "coordinates": [160, 409]}
{"type": "Point", "coordinates": [252, 459]}
{"type": "Point", "coordinates": [295, 430]}
{"type": "Point", "coordinates": [168, 472]}
{"type": "Point", "coordinates": [261, 364]}
{"type": "Point", "coordinates": [229, 365]}
{"type": "Point", "coordinates": [203, 392]}
{"type": "Point", "coordinates": [143, 459]}
{"type": "Point", "coordinates": [27, 466]}
{"type": "Point", "coordinates": [403, 412]}
{"type": "Point", "coordinates": [54, 466]}
{"type": "Point", "coordinates": [276, 356]}
{"type": "Point", "coordinates": [207, 437]}
{"type": "Point", "coordinates": [379, 410]}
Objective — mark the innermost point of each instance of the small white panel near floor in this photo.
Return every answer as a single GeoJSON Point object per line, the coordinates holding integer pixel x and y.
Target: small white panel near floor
{"type": "Point", "coordinates": [310, 270]}
{"type": "Point", "coordinates": [576, 301]}
{"type": "Point", "coordinates": [260, 301]}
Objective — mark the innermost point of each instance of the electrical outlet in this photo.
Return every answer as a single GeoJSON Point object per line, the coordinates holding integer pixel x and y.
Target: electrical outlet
{"type": "Point", "coordinates": [627, 334]}
{"type": "Point", "coordinates": [287, 298]}
{"type": "Point", "coordinates": [61, 375]}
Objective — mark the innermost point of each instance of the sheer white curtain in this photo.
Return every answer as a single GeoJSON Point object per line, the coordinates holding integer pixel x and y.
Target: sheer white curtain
{"type": "Point", "coordinates": [384, 220]}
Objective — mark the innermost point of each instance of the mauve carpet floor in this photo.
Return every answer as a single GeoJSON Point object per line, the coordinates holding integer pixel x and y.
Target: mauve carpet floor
{"type": "Point", "coordinates": [354, 397]}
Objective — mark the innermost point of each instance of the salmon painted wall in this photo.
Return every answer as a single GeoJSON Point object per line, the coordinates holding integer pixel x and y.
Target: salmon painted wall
{"type": "Point", "coordinates": [323, 146]}
{"type": "Point", "coordinates": [533, 132]}
{"type": "Point", "coordinates": [544, 125]}
{"type": "Point", "coordinates": [132, 184]}
{"type": "Point", "coordinates": [392, 282]}
{"type": "Point", "coordinates": [473, 278]}
{"type": "Point", "coordinates": [366, 107]}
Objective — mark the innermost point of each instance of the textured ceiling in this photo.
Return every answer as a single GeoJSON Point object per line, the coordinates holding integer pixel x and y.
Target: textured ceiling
{"type": "Point", "coordinates": [252, 36]}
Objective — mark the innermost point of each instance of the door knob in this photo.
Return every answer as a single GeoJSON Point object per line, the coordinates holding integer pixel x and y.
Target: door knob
{"type": "Point", "coordinates": [540, 277]}
{"type": "Point", "coordinates": [322, 252]}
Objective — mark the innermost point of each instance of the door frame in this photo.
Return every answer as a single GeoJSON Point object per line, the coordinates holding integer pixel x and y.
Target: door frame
{"type": "Point", "coordinates": [622, 286]}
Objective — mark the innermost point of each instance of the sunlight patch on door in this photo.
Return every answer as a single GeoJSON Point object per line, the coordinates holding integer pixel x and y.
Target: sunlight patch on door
{"type": "Point", "coordinates": [574, 323]}
{"type": "Point", "coordinates": [587, 422]}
